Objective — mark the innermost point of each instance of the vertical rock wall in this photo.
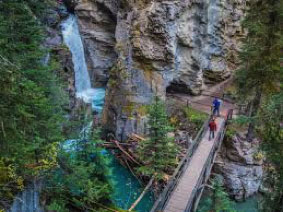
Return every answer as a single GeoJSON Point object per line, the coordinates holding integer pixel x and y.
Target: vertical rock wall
{"type": "Point", "coordinates": [179, 45]}
{"type": "Point", "coordinates": [97, 21]}
{"type": "Point", "coordinates": [240, 166]}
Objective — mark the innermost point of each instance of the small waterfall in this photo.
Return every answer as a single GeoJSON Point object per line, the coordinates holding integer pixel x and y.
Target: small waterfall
{"type": "Point", "coordinates": [72, 39]}
{"type": "Point", "coordinates": [27, 200]}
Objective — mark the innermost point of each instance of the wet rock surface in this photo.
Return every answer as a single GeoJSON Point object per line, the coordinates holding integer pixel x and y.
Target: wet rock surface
{"type": "Point", "coordinates": [181, 44]}
{"type": "Point", "coordinates": [241, 170]}
{"type": "Point", "coordinates": [97, 21]}
{"type": "Point", "coordinates": [28, 200]}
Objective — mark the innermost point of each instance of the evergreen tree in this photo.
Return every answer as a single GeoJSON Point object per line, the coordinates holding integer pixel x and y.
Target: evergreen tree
{"type": "Point", "coordinates": [30, 116]}
{"type": "Point", "coordinates": [80, 180]}
{"type": "Point", "coordinates": [260, 55]}
{"type": "Point", "coordinates": [219, 201]}
{"type": "Point", "coordinates": [272, 134]}
{"type": "Point", "coordinates": [158, 153]}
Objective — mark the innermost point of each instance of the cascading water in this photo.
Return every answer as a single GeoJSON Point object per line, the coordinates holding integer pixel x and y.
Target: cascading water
{"type": "Point", "coordinates": [72, 39]}
{"type": "Point", "coordinates": [126, 187]}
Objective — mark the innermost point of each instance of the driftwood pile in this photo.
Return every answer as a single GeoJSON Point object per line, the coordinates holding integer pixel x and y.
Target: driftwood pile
{"type": "Point", "coordinates": [127, 153]}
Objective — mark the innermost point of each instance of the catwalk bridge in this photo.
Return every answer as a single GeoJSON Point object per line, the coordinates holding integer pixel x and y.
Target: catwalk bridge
{"type": "Point", "coordinates": [184, 189]}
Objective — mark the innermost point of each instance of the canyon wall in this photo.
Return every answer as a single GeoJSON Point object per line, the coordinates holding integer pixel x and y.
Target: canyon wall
{"type": "Point", "coordinates": [240, 164]}
{"type": "Point", "coordinates": [147, 47]}
{"type": "Point", "coordinates": [144, 48]}
{"type": "Point", "coordinates": [97, 21]}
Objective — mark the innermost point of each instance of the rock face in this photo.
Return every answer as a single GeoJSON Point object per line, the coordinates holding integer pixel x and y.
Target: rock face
{"type": "Point", "coordinates": [242, 171]}
{"type": "Point", "coordinates": [28, 200]}
{"type": "Point", "coordinates": [97, 21]}
{"type": "Point", "coordinates": [173, 45]}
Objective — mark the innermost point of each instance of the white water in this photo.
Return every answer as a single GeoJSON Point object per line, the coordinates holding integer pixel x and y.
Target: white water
{"type": "Point", "coordinates": [72, 39]}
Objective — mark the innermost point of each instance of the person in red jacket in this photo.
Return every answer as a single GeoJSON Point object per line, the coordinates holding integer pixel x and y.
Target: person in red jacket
{"type": "Point", "coordinates": [212, 128]}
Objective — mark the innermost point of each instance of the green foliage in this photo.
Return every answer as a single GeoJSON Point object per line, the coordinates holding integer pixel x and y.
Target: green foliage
{"type": "Point", "coordinates": [272, 134]}
{"type": "Point", "coordinates": [237, 125]}
{"type": "Point", "coordinates": [261, 50]}
{"type": "Point", "coordinates": [10, 183]}
{"type": "Point", "coordinates": [260, 71]}
{"type": "Point", "coordinates": [159, 152]}
{"type": "Point", "coordinates": [30, 115]}
{"type": "Point", "coordinates": [219, 200]}
{"type": "Point", "coordinates": [195, 116]}
{"type": "Point", "coordinates": [259, 82]}
{"type": "Point", "coordinates": [79, 181]}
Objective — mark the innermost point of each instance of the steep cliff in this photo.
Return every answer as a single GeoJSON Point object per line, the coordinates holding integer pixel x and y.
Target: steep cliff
{"type": "Point", "coordinates": [240, 164]}
{"type": "Point", "coordinates": [180, 45]}
{"type": "Point", "coordinates": [97, 20]}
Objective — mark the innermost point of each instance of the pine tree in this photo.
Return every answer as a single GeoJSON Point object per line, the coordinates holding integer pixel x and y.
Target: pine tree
{"type": "Point", "coordinates": [158, 152]}
{"type": "Point", "coordinates": [30, 116]}
{"type": "Point", "coordinates": [272, 145]}
{"type": "Point", "coordinates": [80, 181]}
{"type": "Point", "coordinates": [260, 55]}
{"type": "Point", "coordinates": [220, 199]}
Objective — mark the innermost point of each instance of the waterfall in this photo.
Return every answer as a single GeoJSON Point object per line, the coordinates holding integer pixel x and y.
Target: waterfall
{"type": "Point", "coordinates": [28, 200]}
{"type": "Point", "coordinates": [72, 39]}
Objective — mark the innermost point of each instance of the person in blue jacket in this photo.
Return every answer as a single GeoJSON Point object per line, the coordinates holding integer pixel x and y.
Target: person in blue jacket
{"type": "Point", "coordinates": [216, 106]}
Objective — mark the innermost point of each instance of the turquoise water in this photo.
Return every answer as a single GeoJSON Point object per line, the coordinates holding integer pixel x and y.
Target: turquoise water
{"type": "Point", "coordinates": [127, 188]}
{"type": "Point", "coordinates": [250, 205]}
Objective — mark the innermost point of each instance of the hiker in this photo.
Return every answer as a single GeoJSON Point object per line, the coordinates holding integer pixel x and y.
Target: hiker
{"type": "Point", "coordinates": [212, 128]}
{"type": "Point", "coordinates": [216, 106]}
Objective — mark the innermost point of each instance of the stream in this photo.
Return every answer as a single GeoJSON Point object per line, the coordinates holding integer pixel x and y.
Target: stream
{"type": "Point", "coordinates": [126, 187]}
{"type": "Point", "coordinates": [249, 205]}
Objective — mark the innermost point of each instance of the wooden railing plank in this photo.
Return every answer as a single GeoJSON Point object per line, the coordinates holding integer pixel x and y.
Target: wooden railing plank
{"type": "Point", "coordinates": [173, 182]}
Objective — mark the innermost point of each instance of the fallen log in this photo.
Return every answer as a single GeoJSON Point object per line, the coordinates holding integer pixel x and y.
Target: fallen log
{"type": "Point", "coordinates": [111, 145]}
{"type": "Point", "coordinates": [136, 137]}
{"type": "Point", "coordinates": [131, 170]}
{"type": "Point", "coordinates": [122, 144]}
{"type": "Point", "coordinates": [142, 194]}
{"type": "Point", "coordinates": [125, 152]}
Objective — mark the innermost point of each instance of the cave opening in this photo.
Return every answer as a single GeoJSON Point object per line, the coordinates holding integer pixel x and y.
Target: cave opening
{"type": "Point", "coordinates": [177, 87]}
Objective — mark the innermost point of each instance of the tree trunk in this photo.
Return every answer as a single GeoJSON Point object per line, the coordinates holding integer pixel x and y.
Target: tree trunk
{"type": "Point", "coordinates": [254, 110]}
{"type": "Point", "coordinates": [125, 152]}
{"type": "Point", "coordinates": [142, 194]}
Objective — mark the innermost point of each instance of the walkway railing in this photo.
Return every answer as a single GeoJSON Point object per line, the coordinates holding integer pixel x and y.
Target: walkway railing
{"type": "Point", "coordinates": [160, 203]}
{"type": "Point", "coordinates": [206, 169]}
{"type": "Point", "coordinates": [164, 196]}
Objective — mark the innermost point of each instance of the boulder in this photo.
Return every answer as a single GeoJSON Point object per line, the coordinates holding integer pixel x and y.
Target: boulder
{"type": "Point", "coordinates": [241, 170]}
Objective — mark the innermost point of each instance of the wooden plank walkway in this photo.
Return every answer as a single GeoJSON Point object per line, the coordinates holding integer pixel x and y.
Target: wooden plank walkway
{"type": "Point", "coordinates": [182, 193]}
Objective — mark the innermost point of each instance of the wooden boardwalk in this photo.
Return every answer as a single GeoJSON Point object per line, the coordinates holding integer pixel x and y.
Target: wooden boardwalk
{"type": "Point", "coordinates": [183, 192]}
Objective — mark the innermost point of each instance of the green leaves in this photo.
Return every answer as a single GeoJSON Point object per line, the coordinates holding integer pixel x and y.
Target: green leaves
{"type": "Point", "coordinates": [80, 180]}
{"type": "Point", "coordinates": [158, 152]}
{"type": "Point", "coordinates": [272, 134]}
{"type": "Point", "coordinates": [30, 119]}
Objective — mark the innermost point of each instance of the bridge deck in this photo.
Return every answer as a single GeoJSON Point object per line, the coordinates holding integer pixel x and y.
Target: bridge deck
{"type": "Point", "coordinates": [182, 193]}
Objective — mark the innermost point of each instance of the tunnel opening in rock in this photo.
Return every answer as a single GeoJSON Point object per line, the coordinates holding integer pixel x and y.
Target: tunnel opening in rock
{"type": "Point", "coordinates": [178, 87]}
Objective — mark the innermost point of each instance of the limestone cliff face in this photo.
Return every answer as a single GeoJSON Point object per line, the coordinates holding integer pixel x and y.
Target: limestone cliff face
{"type": "Point", "coordinates": [156, 45]}
{"type": "Point", "coordinates": [241, 169]}
{"type": "Point", "coordinates": [180, 45]}
{"type": "Point", "coordinates": [97, 21]}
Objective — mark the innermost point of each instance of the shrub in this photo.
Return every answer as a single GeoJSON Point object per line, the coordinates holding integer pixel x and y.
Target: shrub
{"type": "Point", "coordinates": [195, 116]}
